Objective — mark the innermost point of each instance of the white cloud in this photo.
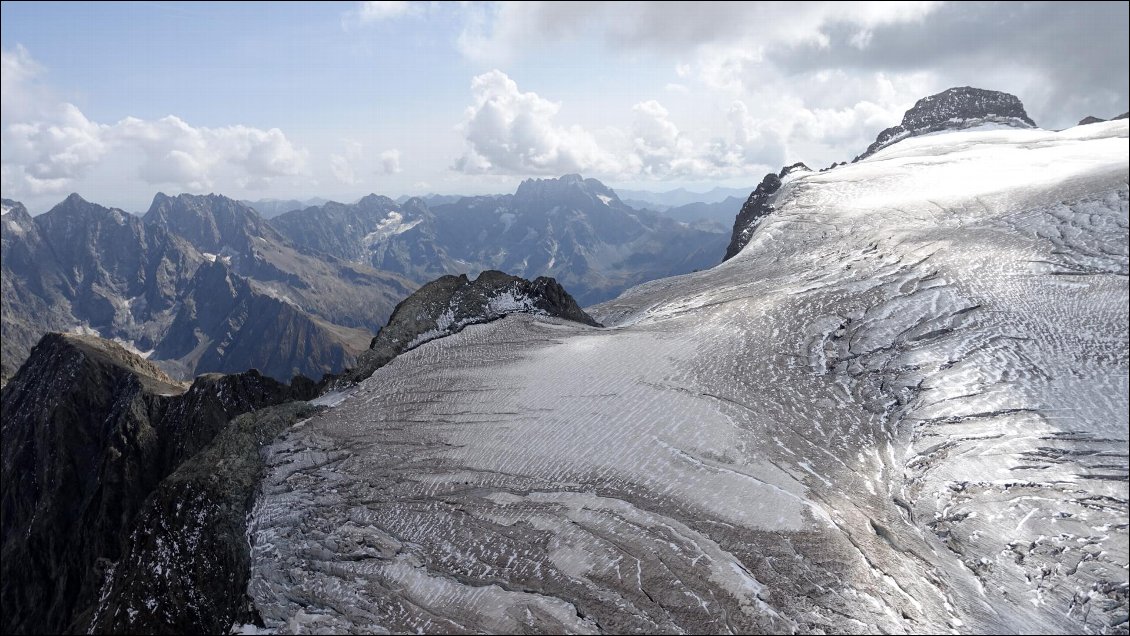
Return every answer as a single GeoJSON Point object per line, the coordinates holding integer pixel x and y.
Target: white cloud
{"type": "Point", "coordinates": [48, 145]}
{"type": "Point", "coordinates": [18, 74]}
{"type": "Point", "coordinates": [181, 155]}
{"type": "Point", "coordinates": [511, 132]}
{"type": "Point", "coordinates": [390, 161]}
{"type": "Point", "coordinates": [342, 169]}
{"type": "Point", "coordinates": [658, 148]}
{"type": "Point", "coordinates": [62, 148]}
{"type": "Point", "coordinates": [720, 53]}
{"type": "Point", "coordinates": [369, 12]}
{"type": "Point", "coordinates": [341, 165]}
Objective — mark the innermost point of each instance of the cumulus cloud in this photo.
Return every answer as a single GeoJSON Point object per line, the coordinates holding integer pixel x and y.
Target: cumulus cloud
{"type": "Point", "coordinates": [511, 132]}
{"type": "Point", "coordinates": [390, 161]}
{"type": "Point", "coordinates": [50, 153]}
{"type": "Point", "coordinates": [820, 79]}
{"type": "Point", "coordinates": [1064, 60]}
{"type": "Point", "coordinates": [179, 154]}
{"type": "Point", "coordinates": [48, 147]}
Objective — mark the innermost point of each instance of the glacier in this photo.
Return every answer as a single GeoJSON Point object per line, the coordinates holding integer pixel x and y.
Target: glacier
{"type": "Point", "coordinates": [901, 408]}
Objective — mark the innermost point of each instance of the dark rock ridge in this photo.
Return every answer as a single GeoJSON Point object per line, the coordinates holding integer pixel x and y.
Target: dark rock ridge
{"type": "Point", "coordinates": [757, 207]}
{"type": "Point", "coordinates": [270, 208]}
{"type": "Point", "coordinates": [85, 265]}
{"type": "Point", "coordinates": [390, 236]}
{"type": "Point", "coordinates": [450, 303]}
{"type": "Point", "coordinates": [185, 566]}
{"type": "Point", "coordinates": [1091, 119]}
{"type": "Point", "coordinates": [953, 109]}
{"type": "Point", "coordinates": [89, 430]}
{"type": "Point", "coordinates": [573, 229]}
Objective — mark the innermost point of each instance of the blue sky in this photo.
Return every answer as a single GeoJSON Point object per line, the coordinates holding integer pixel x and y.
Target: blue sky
{"type": "Point", "coordinates": [119, 101]}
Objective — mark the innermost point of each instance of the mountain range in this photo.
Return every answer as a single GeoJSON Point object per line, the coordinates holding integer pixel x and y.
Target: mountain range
{"type": "Point", "coordinates": [573, 229]}
{"type": "Point", "coordinates": [199, 284]}
{"type": "Point", "coordinates": [204, 283]}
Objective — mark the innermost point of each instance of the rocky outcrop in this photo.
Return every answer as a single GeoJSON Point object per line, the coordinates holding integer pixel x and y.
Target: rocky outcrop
{"type": "Point", "coordinates": [89, 430]}
{"type": "Point", "coordinates": [1091, 119]}
{"type": "Point", "coordinates": [450, 303]}
{"type": "Point", "coordinates": [954, 109]}
{"type": "Point", "coordinates": [389, 236]}
{"type": "Point", "coordinates": [757, 206]}
{"type": "Point", "coordinates": [84, 266]}
{"type": "Point", "coordinates": [185, 564]}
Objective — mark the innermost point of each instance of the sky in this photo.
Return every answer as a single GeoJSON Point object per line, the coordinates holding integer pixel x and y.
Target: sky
{"type": "Point", "coordinates": [118, 101]}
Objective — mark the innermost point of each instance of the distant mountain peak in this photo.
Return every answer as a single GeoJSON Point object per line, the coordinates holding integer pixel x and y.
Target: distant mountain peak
{"type": "Point", "coordinates": [954, 109]}
{"type": "Point", "coordinates": [569, 188]}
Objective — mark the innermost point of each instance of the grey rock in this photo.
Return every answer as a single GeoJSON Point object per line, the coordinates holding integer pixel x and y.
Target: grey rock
{"type": "Point", "coordinates": [89, 430]}
{"type": "Point", "coordinates": [953, 109]}
{"type": "Point", "coordinates": [757, 207]}
{"type": "Point", "coordinates": [450, 303]}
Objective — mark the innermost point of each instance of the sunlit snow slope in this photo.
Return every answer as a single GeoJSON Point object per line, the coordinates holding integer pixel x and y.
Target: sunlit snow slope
{"type": "Point", "coordinates": [901, 408]}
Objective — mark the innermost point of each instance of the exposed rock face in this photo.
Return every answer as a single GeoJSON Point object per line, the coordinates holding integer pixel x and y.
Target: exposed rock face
{"type": "Point", "coordinates": [574, 229]}
{"type": "Point", "coordinates": [954, 109]}
{"type": "Point", "coordinates": [342, 293]}
{"type": "Point", "coordinates": [225, 325]}
{"type": "Point", "coordinates": [89, 430]}
{"type": "Point", "coordinates": [83, 267]}
{"type": "Point", "coordinates": [1091, 119]}
{"type": "Point", "coordinates": [377, 231]}
{"type": "Point", "coordinates": [757, 207]}
{"type": "Point", "coordinates": [450, 303]}
{"type": "Point", "coordinates": [185, 564]}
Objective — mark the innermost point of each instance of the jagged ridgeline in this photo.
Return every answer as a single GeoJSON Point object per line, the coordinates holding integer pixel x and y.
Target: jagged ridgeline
{"type": "Point", "coordinates": [89, 431]}
{"type": "Point", "coordinates": [575, 230]}
{"type": "Point", "coordinates": [199, 284]}
{"type": "Point", "coordinates": [206, 284]}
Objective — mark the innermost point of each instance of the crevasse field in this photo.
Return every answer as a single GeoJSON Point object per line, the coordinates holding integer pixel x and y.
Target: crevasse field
{"type": "Point", "coordinates": [902, 408]}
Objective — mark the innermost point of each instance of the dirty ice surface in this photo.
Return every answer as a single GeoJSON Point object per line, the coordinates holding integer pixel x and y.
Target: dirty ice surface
{"type": "Point", "coordinates": [902, 408]}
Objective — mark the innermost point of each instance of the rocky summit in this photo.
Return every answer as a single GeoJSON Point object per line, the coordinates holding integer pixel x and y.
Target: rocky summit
{"type": "Point", "coordinates": [954, 109]}
{"type": "Point", "coordinates": [448, 304]}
